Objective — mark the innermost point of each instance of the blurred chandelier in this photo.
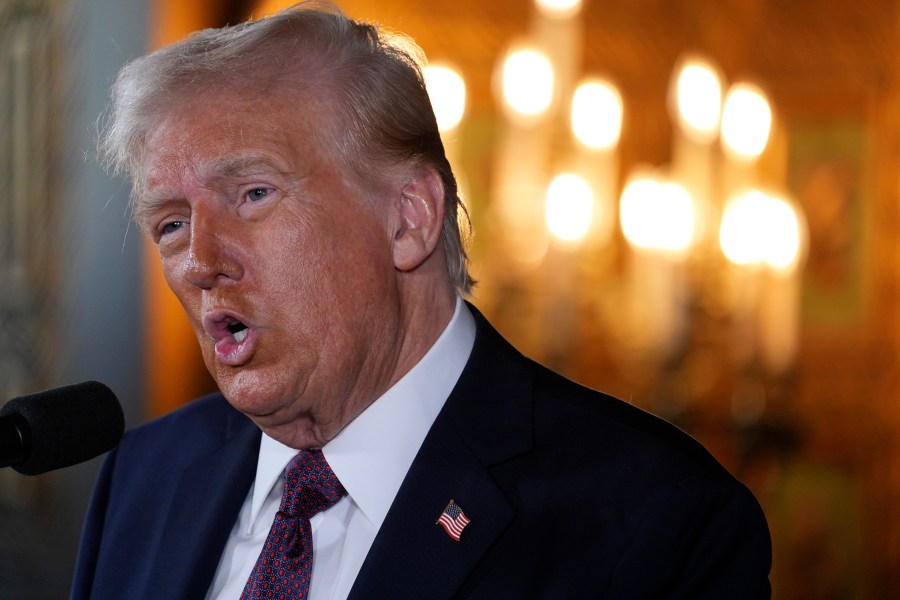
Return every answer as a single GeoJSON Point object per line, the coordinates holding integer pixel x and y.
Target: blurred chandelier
{"type": "Point", "coordinates": [705, 208]}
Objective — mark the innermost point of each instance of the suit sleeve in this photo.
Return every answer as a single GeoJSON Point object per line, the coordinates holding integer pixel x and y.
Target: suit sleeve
{"type": "Point", "coordinates": [92, 533]}
{"type": "Point", "coordinates": [698, 540]}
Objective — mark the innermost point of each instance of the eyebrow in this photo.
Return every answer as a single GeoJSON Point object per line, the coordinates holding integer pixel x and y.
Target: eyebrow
{"type": "Point", "coordinates": [145, 205]}
{"type": "Point", "coordinates": [238, 166]}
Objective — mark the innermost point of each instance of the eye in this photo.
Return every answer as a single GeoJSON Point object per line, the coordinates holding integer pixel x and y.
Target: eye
{"type": "Point", "coordinates": [258, 193]}
{"type": "Point", "coordinates": [171, 227]}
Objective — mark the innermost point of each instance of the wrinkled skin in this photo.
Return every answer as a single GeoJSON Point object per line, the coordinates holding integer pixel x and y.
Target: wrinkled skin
{"type": "Point", "coordinates": [258, 225]}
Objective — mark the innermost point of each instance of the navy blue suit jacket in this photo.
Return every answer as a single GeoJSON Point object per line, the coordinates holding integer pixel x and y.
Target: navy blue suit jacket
{"type": "Point", "coordinates": [571, 494]}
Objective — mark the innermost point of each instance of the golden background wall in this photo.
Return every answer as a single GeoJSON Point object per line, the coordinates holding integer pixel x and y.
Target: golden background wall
{"type": "Point", "coordinates": [816, 435]}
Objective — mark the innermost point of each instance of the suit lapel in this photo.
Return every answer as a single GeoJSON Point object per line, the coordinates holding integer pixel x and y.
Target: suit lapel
{"type": "Point", "coordinates": [486, 420]}
{"type": "Point", "coordinates": [209, 496]}
{"type": "Point", "coordinates": [412, 556]}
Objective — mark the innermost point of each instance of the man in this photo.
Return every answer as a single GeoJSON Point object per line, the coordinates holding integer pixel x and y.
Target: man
{"type": "Point", "coordinates": [291, 174]}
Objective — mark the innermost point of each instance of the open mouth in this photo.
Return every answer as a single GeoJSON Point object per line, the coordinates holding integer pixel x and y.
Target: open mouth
{"type": "Point", "coordinates": [238, 331]}
{"type": "Point", "coordinates": [233, 335]}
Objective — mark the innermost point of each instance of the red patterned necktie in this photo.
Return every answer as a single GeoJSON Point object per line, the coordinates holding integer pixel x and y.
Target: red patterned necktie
{"type": "Point", "coordinates": [284, 567]}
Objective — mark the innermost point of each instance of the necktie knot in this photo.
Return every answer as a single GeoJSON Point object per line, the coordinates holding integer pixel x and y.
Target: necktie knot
{"type": "Point", "coordinates": [310, 486]}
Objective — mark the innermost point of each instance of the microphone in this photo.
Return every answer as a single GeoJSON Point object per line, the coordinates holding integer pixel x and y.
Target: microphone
{"type": "Point", "coordinates": [59, 427]}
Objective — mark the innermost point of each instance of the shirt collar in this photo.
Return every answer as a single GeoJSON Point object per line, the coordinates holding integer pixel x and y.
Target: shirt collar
{"type": "Point", "coordinates": [270, 464]}
{"type": "Point", "coordinates": [368, 456]}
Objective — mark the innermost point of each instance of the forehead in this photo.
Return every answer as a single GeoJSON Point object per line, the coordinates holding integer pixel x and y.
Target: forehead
{"type": "Point", "coordinates": [227, 134]}
{"type": "Point", "coordinates": [218, 141]}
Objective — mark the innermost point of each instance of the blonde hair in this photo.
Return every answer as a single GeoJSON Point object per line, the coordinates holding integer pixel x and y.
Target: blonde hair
{"type": "Point", "coordinates": [372, 79]}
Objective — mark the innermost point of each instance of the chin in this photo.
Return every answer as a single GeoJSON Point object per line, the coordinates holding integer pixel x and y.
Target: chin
{"type": "Point", "coordinates": [301, 432]}
{"type": "Point", "coordinates": [300, 437]}
{"type": "Point", "coordinates": [252, 397]}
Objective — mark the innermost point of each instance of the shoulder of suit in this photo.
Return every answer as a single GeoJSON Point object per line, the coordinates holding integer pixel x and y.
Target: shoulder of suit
{"type": "Point", "coordinates": [212, 406]}
{"type": "Point", "coordinates": [570, 418]}
{"type": "Point", "coordinates": [592, 421]}
{"type": "Point", "coordinates": [201, 422]}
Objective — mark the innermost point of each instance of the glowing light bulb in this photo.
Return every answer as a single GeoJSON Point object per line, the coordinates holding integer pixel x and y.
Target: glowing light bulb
{"type": "Point", "coordinates": [597, 114]}
{"type": "Point", "coordinates": [657, 215]}
{"type": "Point", "coordinates": [758, 229]}
{"type": "Point", "coordinates": [697, 99]}
{"type": "Point", "coordinates": [783, 254]}
{"type": "Point", "coordinates": [527, 83]}
{"type": "Point", "coordinates": [569, 206]}
{"type": "Point", "coordinates": [741, 226]}
{"type": "Point", "coordinates": [560, 9]}
{"type": "Point", "coordinates": [447, 91]}
{"type": "Point", "coordinates": [746, 122]}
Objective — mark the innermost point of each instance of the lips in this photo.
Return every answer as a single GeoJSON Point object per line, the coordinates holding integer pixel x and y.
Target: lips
{"type": "Point", "coordinates": [234, 336]}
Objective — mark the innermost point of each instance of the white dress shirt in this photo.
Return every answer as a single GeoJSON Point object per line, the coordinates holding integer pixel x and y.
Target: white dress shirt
{"type": "Point", "coordinates": [370, 457]}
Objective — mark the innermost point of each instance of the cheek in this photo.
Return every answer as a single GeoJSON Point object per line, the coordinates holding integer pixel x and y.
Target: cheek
{"type": "Point", "coordinates": [321, 266]}
{"type": "Point", "coordinates": [172, 277]}
{"type": "Point", "coordinates": [173, 272]}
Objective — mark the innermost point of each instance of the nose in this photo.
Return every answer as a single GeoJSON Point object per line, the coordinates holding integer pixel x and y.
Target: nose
{"type": "Point", "coordinates": [213, 258]}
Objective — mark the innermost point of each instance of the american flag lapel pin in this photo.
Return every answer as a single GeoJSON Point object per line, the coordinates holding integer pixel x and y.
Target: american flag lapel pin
{"type": "Point", "coordinates": [453, 520]}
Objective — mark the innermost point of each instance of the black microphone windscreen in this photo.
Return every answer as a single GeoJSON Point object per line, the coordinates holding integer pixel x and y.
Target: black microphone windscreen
{"type": "Point", "coordinates": [68, 425]}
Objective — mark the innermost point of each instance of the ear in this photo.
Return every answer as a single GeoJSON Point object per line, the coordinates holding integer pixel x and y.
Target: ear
{"type": "Point", "coordinates": [421, 219]}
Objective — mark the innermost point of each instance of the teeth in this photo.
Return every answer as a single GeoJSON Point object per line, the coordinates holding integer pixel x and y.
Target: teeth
{"type": "Point", "coordinates": [241, 335]}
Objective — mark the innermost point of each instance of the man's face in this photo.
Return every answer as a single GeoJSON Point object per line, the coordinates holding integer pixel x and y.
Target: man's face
{"type": "Point", "coordinates": [280, 258]}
